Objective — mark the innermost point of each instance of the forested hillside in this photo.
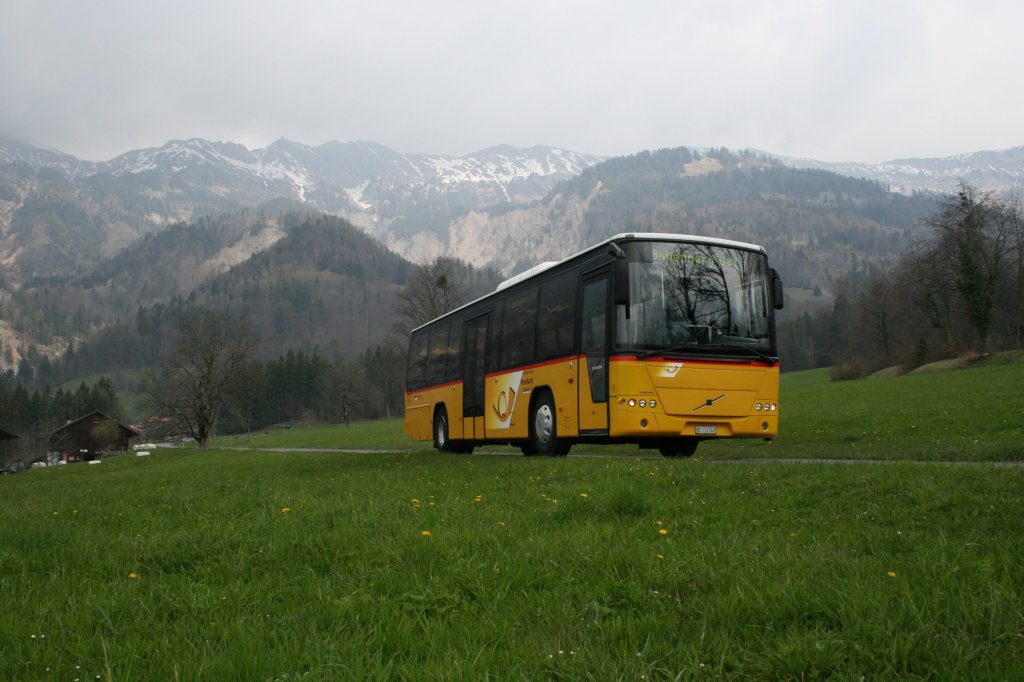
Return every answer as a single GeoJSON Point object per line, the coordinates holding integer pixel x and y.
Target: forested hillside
{"type": "Point", "coordinates": [816, 225]}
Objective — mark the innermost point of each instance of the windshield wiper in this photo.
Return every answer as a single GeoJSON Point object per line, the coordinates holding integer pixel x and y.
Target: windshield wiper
{"type": "Point", "coordinates": [706, 347]}
{"type": "Point", "coordinates": [770, 359]}
{"type": "Point", "coordinates": [672, 349]}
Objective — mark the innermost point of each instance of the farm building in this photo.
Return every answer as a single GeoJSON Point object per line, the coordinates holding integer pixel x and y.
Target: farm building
{"type": "Point", "coordinates": [88, 437]}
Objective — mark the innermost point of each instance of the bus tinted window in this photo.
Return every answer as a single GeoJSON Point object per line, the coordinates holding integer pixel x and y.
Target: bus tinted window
{"type": "Point", "coordinates": [416, 373]}
{"type": "Point", "coordinates": [556, 316]}
{"type": "Point", "coordinates": [438, 355]}
{"type": "Point", "coordinates": [520, 319]}
{"type": "Point", "coordinates": [494, 339]}
{"type": "Point", "coordinates": [453, 352]}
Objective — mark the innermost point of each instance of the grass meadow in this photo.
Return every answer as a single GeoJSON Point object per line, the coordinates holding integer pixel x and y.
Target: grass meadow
{"type": "Point", "coordinates": [412, 565]}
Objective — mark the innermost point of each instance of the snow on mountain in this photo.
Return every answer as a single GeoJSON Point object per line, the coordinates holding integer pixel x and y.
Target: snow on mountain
{"type": "Point", "coordinates": [15, 151]}
{"type": "Point", "coordinates": [178, 156]}
{"type": "Point", "coordinates": [354, 176]}
{"type": "Point", "coordinates": [998, 171]}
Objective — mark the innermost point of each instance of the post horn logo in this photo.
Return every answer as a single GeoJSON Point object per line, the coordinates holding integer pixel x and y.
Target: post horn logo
{"type": "Point", "coordinates": [503, 409]}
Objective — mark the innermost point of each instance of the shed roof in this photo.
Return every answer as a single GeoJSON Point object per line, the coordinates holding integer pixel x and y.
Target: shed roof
{"type": "Point", "coordinates": [74, 422]}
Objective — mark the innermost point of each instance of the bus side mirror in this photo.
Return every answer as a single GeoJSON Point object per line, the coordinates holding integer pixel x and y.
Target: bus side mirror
{"type": "Point", "coordinates": [777, 292]}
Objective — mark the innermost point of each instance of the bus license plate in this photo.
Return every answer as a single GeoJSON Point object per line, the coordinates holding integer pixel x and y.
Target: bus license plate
{"type": "Point", "coordinates": [706, 430]}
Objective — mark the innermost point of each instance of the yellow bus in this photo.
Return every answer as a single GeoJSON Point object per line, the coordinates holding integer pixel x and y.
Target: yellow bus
{"type": "Point", "coordinates": [657, 340]}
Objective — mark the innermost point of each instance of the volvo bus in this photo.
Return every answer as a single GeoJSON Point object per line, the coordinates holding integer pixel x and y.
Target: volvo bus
{"type": "Point", "coordinates": [656, 340]}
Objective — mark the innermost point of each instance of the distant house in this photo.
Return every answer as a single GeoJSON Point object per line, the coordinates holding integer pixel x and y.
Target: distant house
{"type": "Point", "coordinates": [88, 437]}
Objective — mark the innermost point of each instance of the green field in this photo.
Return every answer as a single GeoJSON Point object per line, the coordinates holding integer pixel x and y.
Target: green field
{"type": "Point", "coordinates": [326, 565]}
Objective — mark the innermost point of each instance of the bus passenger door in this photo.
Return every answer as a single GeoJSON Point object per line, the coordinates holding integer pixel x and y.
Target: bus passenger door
{"type": "Point", "coordinates": [593, 384]}
{"type": "Point", "coordinates": [475, 338]}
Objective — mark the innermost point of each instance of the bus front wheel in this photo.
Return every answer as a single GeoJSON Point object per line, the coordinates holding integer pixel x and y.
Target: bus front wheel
{"type": "Point", "coordinates": [544, 428]}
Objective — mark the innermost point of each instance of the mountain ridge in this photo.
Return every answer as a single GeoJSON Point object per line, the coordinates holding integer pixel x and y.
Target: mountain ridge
{"type": "Point", "coordinates": [1001, 171]}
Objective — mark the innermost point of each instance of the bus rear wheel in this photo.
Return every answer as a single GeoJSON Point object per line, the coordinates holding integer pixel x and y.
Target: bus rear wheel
{"type": "Point", "coordinates": [442, 442]}
{"type": "Point", "coordinates": [442, 436]}
{"type": "Point", "coordinates": [679, 447]}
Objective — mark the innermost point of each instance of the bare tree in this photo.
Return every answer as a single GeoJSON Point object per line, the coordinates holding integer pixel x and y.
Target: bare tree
{"type": "Point", "coordinates": [1014, 216]}
{"type": "Point", "coordinates": [208, 357]}
{"type": "Point", "coordinates": [432, 291]}
{"type": "Point", "coordinates": [973, 232]}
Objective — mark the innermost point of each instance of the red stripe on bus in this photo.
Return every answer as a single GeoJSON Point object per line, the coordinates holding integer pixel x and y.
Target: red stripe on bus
{"type": "Point", "coordinates": [535, 365]}
{"type": "Point", "coordinates": [634, 358]}
{"type": "Point", "coordinates": [410, 391]}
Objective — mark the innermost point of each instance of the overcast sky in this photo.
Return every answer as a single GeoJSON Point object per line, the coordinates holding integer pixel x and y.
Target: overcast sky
{"type": "Point", "coordinates": [840, 80]}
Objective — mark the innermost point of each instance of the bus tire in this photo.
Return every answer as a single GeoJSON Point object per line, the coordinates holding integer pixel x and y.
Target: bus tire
{"type": "Point", "coordinates": [442, 434]}
{"type": "Point", "coordinates": [679, 447]}
{"type": "Point", "coordinates": [544, 428]}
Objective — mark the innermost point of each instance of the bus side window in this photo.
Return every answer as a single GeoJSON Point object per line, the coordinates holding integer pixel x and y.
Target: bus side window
{"type": "Point", "coordinates": [415, 376]}
{"type": "Point", "coordinates": [438, 355]}
{"type": "Point", "coordinates": [556, 316]}
{"type": "Point", "coordinates": [520, 319]}
{"type": "Point", "coordinates": [453, 352]}
{"type": "Point", "coordinates": [494, 337]}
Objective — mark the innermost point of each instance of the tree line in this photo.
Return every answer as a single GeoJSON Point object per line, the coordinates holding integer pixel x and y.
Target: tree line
{"type": "Point", "coordinates": [959, 289]}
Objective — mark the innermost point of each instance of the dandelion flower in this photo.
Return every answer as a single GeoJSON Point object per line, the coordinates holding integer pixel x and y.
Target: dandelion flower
{"type": "Point", "coordinates": [662, 531]}
{"type": "Point", "coordinates": [892, 574]}
{"type": "Point", "coordinates": [661, 557]}
{"type": "Point", "coordinates": [425, 533]}
{"type": "Point", "coordinates": [133, 575]}
{"type": "Point", "coordinates": [285, 510]}
{"type": "Point", "coordinates": [583, 495]}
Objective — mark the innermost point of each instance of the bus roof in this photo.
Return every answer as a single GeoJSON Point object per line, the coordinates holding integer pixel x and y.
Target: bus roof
{"type": "Point", "coordinates": [622, 236]}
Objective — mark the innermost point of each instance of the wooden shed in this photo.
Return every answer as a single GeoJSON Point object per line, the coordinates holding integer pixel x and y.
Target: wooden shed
{"type": "Point", "coordinates": [88, 437]}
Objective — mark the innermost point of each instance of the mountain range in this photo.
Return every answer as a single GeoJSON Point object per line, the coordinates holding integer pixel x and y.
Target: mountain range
{"type": "Point", "coordinates": [390, 195]}
{"type": "Point", "coordinates": [419, 205]}
{"type": "Point", "coordinates": [86, 246]}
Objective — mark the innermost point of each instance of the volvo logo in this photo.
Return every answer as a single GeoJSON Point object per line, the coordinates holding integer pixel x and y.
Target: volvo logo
{"type": "Point", "coordinates": [708, 403]}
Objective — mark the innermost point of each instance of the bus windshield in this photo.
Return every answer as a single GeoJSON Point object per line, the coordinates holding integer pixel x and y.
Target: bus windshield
{"type": "Point", "coordinates": [696, 298]}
